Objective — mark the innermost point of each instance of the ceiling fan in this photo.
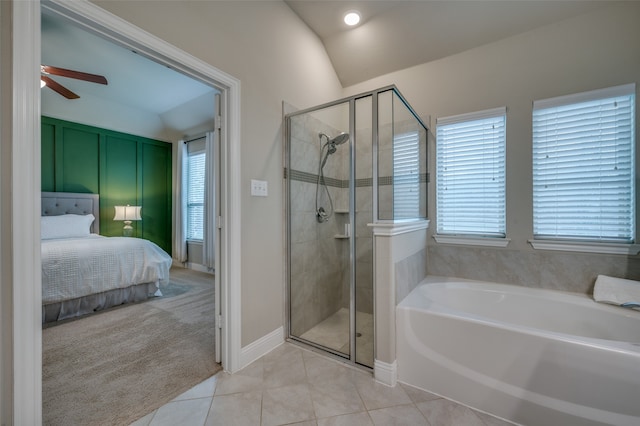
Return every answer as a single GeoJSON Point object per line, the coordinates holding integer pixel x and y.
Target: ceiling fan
{"type": "Point", "coordinates": [47, 70]}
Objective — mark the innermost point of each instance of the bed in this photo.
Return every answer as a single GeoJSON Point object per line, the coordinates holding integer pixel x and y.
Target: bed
{"type": "Point", "coordinates": [84, 272]}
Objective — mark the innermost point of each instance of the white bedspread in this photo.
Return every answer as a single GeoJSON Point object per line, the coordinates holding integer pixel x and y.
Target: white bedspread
{"type": "Point", "coordinates": [77, 267]}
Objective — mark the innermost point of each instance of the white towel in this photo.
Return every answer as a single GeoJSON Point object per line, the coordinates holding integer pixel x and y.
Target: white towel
{"type": "Point", "coordinates": [617, 291]}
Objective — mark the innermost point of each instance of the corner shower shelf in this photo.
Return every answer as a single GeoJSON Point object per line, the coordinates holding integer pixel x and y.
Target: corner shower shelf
{"type": "Point", "coordinates": [341, 211]}
{"type": "Point", "coordinates": [341, 237]}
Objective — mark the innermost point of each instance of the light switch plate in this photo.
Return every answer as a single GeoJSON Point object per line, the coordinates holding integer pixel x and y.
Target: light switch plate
{"type": "Point", "coordinates": [259, 188]}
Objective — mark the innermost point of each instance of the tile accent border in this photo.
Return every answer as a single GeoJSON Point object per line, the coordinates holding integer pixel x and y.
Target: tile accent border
{"type": "Point", "coordinates": [341, 183]}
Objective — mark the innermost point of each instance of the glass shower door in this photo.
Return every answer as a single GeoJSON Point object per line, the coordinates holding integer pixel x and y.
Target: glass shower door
{"type": "Point", "coordinates": [318, 176]}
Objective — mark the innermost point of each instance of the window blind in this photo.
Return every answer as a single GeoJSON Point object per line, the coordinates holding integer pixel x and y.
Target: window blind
{"type": "Point", "coordinates": [406, 176]}
{"type": "Point", "coordinates": [195, 195]}
{"type": "Point", "coordinates": [583, 166]}
{"type": "Point", "coordinates": [470, 174]}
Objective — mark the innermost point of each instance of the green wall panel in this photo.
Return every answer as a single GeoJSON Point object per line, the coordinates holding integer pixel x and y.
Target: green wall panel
{"type": "Point", "coordinates": [156, 195]}
{"type": "Point", "coordinates": [47, 178]}
{"type": "Point", "coordinates": [81, 161]}
{"type": "Point", "coordinates": [122, 168]}
{"type": "Point", "coordinates": [119, 182]}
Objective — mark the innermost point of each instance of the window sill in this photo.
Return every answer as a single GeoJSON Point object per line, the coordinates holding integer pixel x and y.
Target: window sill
{"type": "Point", "coordinates": [194, 242]}
{"type": "Point", "coordinates": [472, 241]}
{"type": "Point", "coordinates": [584, 247]}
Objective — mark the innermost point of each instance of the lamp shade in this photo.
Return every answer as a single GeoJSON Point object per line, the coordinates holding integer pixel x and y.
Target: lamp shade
{"type": "Point", "coordinates": [127, 213]}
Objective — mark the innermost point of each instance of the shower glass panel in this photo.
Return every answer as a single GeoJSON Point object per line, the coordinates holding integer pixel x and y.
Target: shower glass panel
{"type": "Point", "coordinates": [402, 160]}
{"type": "Point", "coordinates": [319, 228]}
{"type": "Point", "coordinates": [348, 164]}
{"type": "Point", "coordinates": [363, 235]}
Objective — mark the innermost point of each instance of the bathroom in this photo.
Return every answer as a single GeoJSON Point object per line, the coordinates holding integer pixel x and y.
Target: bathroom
{"type": "Point", "coordinates": [342, 217]}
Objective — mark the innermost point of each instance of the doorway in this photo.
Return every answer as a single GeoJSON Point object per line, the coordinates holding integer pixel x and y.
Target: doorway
{"type": "Point", "coordinates": [24, 397]}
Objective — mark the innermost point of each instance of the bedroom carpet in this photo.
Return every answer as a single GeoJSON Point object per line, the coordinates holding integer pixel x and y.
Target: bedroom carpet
{"type": "Point", "coordinates": [114, 367]}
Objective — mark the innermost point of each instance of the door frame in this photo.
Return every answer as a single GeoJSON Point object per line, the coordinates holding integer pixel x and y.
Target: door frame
{"type": "Point", "coordinates": [26, 351]}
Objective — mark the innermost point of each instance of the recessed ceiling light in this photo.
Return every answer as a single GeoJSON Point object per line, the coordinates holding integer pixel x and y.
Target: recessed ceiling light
{"type": "Point", "coordinates": [352, 18]}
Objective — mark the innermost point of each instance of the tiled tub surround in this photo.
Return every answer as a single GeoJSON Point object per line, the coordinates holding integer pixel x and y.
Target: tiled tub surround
{"type": "Point", "coordinates": [410, 272]}
{"type": "Point", "coordinates": [574, 272]}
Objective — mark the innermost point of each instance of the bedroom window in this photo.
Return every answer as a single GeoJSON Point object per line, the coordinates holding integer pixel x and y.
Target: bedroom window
{"type": "Point", "coordinates": [470, 177]}
{"type": "Point", "coordinates": [583, 166]}
{"type": "Point", "coordinates": [195, 190]}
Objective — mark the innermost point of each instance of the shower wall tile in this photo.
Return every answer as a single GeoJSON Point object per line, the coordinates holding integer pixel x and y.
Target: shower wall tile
{"type": "Point", "coordinates": [364, 249]}
{"type": "Point", "coordinates": [385, 162]}
{"type": "Point", "coordinates": [364, 275]}
{"type": "Point", "coordinates": [319, 269]}
{"type": "Point", "coordinates": [317, 260]}
{"type": "Point", "coordinates": [363, 219]}
{"type": "Point", "coordinates": [385, 202]}
{"type": "Point", "coordinates": [566, 271]}
{"type": "Point", "coordinates": [303, 197]}
{"type": "Point", "coordinates": [304, 156]}
{"type": "Point", "coordinates": [303, 227]}
{"type": "Point", "coordinates": [364, 154]}
{"type": "Point", "coordinates": [364, 300]}
{"type": "Point", "coordinates": [298, 128]}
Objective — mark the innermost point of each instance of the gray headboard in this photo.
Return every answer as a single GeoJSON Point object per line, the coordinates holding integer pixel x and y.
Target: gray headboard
{"type": "Point", "coordinates": [58, 203]}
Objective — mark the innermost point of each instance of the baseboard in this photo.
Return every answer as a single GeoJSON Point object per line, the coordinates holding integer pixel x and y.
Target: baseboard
{"type": "Point", "coordinates": [193, 266]}
{"type": "Point", "coordinates": [385, 373]}
{"type": "Point", "coordinates": [260, 347]}
{"type": "Point", "coordinates": [198, 267]}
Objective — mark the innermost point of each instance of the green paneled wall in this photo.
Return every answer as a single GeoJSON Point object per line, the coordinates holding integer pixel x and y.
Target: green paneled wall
{"type": "Point", "coordinates": [154, 188]}
{"type": "Point", "coordinates": [48, 141]}
{"type": "Point", "coordinates": [123, 169]}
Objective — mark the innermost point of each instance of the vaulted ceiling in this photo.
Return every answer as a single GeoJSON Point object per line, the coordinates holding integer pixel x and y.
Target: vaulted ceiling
{"type": "Point", "coordinates": [397, 34]}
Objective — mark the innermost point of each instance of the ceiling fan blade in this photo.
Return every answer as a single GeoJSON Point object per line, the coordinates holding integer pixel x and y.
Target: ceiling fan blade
{"type": "Point", "coordinates": [94, 78]}
{"type": "Point", "coordinates": [53, 85]}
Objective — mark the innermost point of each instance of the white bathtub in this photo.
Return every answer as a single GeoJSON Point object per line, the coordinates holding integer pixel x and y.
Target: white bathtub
{"type": "Point", "coordinates": [531, 356]}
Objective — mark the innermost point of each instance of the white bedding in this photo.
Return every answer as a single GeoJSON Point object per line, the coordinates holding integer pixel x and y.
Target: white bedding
{"type": "Point", "coordinates": [77, 267]}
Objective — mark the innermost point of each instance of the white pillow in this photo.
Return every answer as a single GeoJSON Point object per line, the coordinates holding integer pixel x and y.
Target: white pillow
{"type": "Point", "coordinates": [65, 226]}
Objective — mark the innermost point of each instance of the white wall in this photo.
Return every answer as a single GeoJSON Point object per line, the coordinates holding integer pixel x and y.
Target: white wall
{"type": "Point", "coordinates": [591, 51]}
{"type": "Point", "coordinates": [276, 57]}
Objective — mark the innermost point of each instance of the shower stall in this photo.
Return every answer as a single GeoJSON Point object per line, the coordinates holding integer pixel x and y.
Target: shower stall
{"type": "Point", "coordinates": [349, 164]}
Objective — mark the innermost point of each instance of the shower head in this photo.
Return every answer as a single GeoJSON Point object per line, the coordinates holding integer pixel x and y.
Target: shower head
{"type": "Point", "coordinates": [331, 145]}
{"type": "Point", "coordinates": [338, 140]}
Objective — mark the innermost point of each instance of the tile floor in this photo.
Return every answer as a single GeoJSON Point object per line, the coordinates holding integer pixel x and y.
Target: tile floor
{"type": "Point", "coordinates": [294, 386]}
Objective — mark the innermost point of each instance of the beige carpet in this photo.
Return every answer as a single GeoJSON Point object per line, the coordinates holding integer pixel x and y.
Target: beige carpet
{"type": "Point", "coordinates": [114, 367]}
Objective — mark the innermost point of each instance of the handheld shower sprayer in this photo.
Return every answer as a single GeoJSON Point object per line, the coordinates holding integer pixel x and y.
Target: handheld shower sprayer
{"type": "Point", "coordinates": [331, 146]}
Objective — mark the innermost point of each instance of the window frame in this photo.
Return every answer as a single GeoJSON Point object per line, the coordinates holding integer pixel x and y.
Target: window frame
{"type": "Point", "coordinates": [594, 243]}
{"type": "Point", "coordinates": [193, 152]}
{"type": "Point", "coordinates": [490, 239]}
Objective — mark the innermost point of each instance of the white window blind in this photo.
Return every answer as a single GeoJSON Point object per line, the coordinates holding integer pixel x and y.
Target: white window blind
{"type": "Point", "coordinates": [406, 176]}
{"type": "Point", "coordinates": [583, 166]}
{"type": "Point", "coordinates": [470, 174]}
{"type": "Point", "coordinates": [195, 195]}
